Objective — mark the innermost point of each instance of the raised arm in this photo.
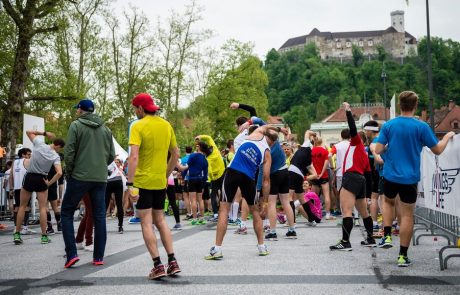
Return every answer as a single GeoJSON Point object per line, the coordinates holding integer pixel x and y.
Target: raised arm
{"type": "Point", "coordinates": [350, 120]}
{"type": "Point", "coordinates": [248, 108]}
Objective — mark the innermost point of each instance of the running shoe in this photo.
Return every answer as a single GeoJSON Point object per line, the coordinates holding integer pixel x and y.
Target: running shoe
{"type": "Point", "coordinates": [120, 229]}
{"type": "Point", "coordinates": [27, 231]}
{"type": "Point", "coordinates": [188, 217]}
{"type": "Point", "coordinates": [214, 254]}
{"type": "Point", "coordinates": [242, 230]}
{"type": "Point", "coordinates": [177, 226]}
{"type": "Point", "coordinates": [59, 227]}
{"type": "Point", "coordinates": [395, 230]}
{"type": "Point", "coordinates": [378, 235]}
{"type": "Point", "coordinates": [386, 242]}
{"type": "Point", "coordinates": [45, 240]}
{"type": "Point", "coordinates": [89, 248]}
{"type": "Point", "coordinates": [357, 222]}
{"type": "Point", "coordinates": [214, 219]}
{"type": "Point", "coordinates": [17, 238]}
{"type": "Point", "coordinates": [376, 227]}
{"type": "Point", "coordinates": [329, 216]}
{"type": "Point", "coordinates": [337, 213]}
{"type": "Point", "coordinates": [266, 228]}
{"type": "Point", "coordinates": [173, 268]}
{"type": "Point", "coordinates": [194, 222]}
{"type": "Point", "coordinates": [71, 261]}
{"type": "Point", "coordinates": [98, 261]}
{"type": "Point", "coordinates": [50, 231]}
{"type": "Point", "coordinates": [3, 226]}
{"type": "Point", "coordinates": [202, 222]}
{"type": "Point", "coordinates": [80, 246]}
{"type": "Point", "coordinates": [291, 234]}
{"type": "Point", "coordinates": [339, 222]}
{"type": "Point", "coordinates": [157, 272]}
{"type": "Point", "coordinates": [271, 237]}
{"type": "Point", "coordinates": [134, 220]}
{"type": "Point", "coordinates": [232, 222]}
{"type": "Point", "coordinates": [404, 261]}
{"type": "Point", "coordinates": [341, 246]}
{"type": "Point", "coordinates": [263, 250]}
{"type": "Point", "coordinates": [207, 213]}
{"type": "Point", "coordinates": [312, 224]}
{"type": "Point", "coordinates": [369, 242]}
{"type": "Point", "coordinates": [281, 218]}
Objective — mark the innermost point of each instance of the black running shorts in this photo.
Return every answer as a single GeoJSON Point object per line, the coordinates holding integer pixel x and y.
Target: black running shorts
{"type": "Point", "coordinates": [354, 183]}
{"type": "Point", "coordinates": [232, 181]}
{"type": "Point", "coordinates": [151, 199]}
{"type": "Point", "coordinates": [279, 182]}
{"type": "Point", "coordinates": [319, 182]}
{"type": "Point", "coordinates": [52, 192]}
{"type": "Point", "coordinates": [295, 182]}
{"type": "Point", "coordinates": [195, 186]}
{"type": "Point", "coordinates": [407, 192]}
{"type": "Point", "coordinates": [34, 182]}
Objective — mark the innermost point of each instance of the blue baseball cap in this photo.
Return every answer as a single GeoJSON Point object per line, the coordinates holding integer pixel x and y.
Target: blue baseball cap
{"type": "Point", "coordinates": [86, 105]}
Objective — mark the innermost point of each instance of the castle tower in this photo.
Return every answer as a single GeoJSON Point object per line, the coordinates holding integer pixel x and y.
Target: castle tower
{"type": "Point", "coordinates": [397, 20]}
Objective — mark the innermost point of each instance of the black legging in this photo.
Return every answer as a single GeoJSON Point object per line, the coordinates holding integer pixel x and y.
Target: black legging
{"type": "Point", "coordinates": [170, 191]}
{"type": "Point", "coordinates": [216, 186]}
{"type": "Point", "coordinates": [311, 217]}
{"type": "Point", "coordinates": [116, 187]}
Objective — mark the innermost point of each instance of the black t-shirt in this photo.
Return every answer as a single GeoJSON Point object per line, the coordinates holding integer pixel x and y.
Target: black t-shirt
{"type": "Point", "coordinates": [302, 159]}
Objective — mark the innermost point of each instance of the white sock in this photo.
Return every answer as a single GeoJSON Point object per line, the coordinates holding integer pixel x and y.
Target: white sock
{"type": "Point", "coordinates": [218, 248]}
{"type": "Point", "coordinates": [242, 224]}
{"type": "Point", "coordinates": [266, 222]}
{"type": "Point", "coordinates": [296, 203]}
{"type": "Point", "coordinates": [375, 223]}
{"type": "Point", "coordinates": [233, 213]}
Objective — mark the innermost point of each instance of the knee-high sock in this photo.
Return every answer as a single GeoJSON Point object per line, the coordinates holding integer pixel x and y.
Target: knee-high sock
{"type": "Point", "coordinates": [347, 226]}
{"type": "Point", "coordinates": [368, 224]}
{"type": "Point", "coordinates": [293, 208]}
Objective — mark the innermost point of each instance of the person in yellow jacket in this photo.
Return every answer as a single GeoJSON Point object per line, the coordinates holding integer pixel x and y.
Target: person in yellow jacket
{"type": "Point", "coordinates": [216, 169]}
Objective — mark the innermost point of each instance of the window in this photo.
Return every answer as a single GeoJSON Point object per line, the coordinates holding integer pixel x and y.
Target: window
{"type": "Point", "coordinates": [360, 43]}
{"type": "Point", "coordinates": [338, 45]}
{"type": "Point", "coordinates": [348, 44]}
{"type": "Point", "coordinates": [370, 43]}
{"type": "Point", "coordinates": [454, 124]}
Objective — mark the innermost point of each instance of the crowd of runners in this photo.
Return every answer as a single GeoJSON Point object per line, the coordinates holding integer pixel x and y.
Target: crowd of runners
{"type": "Point", "coordinates": [261, 175]}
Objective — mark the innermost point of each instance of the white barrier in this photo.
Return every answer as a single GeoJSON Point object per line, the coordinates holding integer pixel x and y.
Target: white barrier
{"type": "Point", "coordinates": [439, 187]}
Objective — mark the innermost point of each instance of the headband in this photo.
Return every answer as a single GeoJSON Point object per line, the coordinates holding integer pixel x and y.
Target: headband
{"type": "Point", "coordinates": [371, 128]}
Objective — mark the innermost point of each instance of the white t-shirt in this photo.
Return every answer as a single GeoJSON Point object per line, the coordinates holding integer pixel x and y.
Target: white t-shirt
{"type": "Point", "coordinates": [43, 157]}
{"type": "Point", "coordinates": [341, 150]}
{"type": "Point", "coordinates": [6, 179]}
{"type": "Point", "coordinates": [19, 171]}
{"type": "Point", "coordinates": [238, 141]}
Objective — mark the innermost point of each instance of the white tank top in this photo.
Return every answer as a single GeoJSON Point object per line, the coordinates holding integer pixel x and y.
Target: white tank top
{"type": "Point", "coordinates": [19, 171]}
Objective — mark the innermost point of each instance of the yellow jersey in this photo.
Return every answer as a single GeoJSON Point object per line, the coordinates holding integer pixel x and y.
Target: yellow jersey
{"type": "Point", "coordinates": [154, 136]}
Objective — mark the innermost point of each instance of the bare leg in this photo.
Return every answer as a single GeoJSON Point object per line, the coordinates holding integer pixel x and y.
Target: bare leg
{"type": "Point", "coordinates": [42, 198]}
{"type": "Point", "coordinates": [25, 197]}
{"type": "Point", "coordinates": [163, 228]}
{"type": "Point", "coordinates": [257, 223]}
{"type": "Point", "coordinates": [222, 222]}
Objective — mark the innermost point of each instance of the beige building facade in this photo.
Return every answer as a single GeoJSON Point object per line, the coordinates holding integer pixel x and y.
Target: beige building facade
{"type": "Point", "coordinates": [338, 45]}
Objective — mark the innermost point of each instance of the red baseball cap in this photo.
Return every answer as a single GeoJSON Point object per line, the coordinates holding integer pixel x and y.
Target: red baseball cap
{"type": "Point", "coordinates": [145, 101]}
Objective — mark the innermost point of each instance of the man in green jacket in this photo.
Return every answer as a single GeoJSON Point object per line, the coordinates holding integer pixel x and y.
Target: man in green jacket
{"type": "Point", "coordinates": [88, 151]}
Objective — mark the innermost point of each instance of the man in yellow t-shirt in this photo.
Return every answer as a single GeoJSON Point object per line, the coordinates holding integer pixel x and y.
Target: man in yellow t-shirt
{"type": "Point", "coordinates": [151, 139]}
{"type": "Point", "coordinates": [216, 169]}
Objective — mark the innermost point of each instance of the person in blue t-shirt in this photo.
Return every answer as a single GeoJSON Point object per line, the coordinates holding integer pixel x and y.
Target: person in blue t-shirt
{"type": "Point", "coordinates": [402, 140]}
{"type": "Point", "coordinates": [182, 188]}
{"type": "Point", "coordinates": [197, 174]}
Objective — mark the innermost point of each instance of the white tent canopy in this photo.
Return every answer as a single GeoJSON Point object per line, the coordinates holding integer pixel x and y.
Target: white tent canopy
{"type": "Point", "coordinates": [119, 151]}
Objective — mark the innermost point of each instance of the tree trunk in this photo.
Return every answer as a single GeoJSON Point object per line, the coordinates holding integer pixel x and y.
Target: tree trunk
{"type": "Point", "coordinates": [12, 122]}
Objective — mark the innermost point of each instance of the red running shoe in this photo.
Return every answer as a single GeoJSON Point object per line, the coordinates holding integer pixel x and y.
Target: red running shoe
{"type": "Point", "coordinates": [71, 262]}
{"type": "Point", "coordinates": [173, 268]}
{"type": "Point", "coordinates": [98, 261]}
{"type": "Point", "coordinates": [157, 272]}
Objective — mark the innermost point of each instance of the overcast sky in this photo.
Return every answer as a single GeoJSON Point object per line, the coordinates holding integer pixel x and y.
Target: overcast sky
{"type": "Point", "coordinates": [269, 23]}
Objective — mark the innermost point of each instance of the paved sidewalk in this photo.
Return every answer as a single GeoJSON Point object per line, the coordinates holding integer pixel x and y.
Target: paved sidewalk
{"type": "Point", "coordinates": [305, 265]}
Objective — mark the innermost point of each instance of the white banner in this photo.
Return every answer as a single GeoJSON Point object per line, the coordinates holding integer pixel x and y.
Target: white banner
{"type": "Point", "coordinates": [31, 123]}
{"type": "Point", "coordinates": [393, 107]}
{"type": "Point", "coordinates": [439, 187]}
